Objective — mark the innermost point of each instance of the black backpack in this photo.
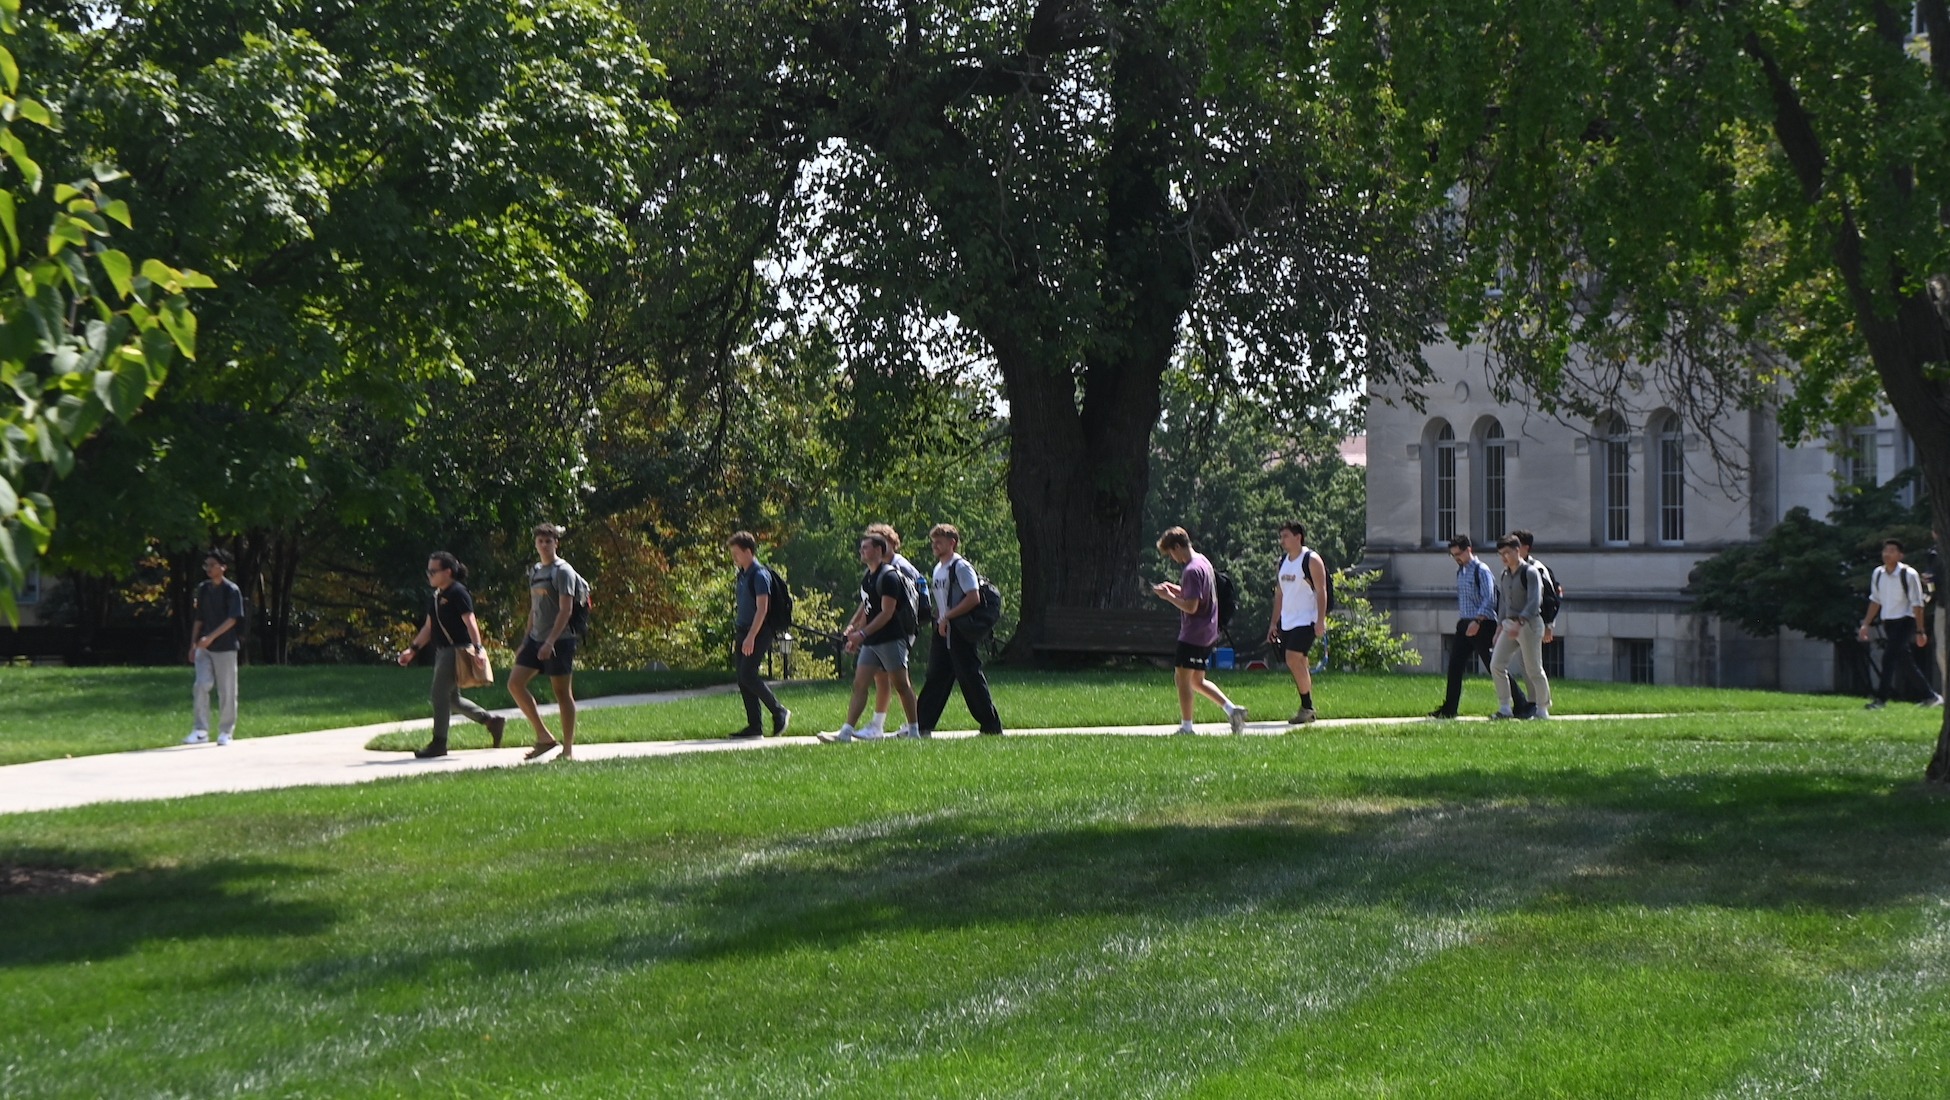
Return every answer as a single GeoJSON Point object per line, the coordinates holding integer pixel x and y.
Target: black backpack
{"type": "Point", "coordinates": [981, 621]}
{"type": "Point", "coordinates": [778, 613]}
{"type": "Point", "coordinates": [1228, 597]}
{"type": "Point", "coordinates": [1307, 574]}
{"type": "Point", "coordinates": [1552, 602]}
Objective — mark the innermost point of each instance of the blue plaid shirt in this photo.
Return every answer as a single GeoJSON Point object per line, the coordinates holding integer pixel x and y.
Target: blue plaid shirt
{"type": "Point", "coordinates": [1475, 591]}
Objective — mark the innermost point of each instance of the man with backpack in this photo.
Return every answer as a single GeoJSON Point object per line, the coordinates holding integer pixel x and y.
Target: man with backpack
{"type": "Point", "coordinates": [1299, 612]}
{"type": "Point", "coordinates": [883, 682]}
{"type": "Point", "coordinates": [1896, 599]}
{"type": "Point", "coordinates": [759, 599]}
{"type": "Point", "coordinates": [958, 632]}
{"type": "Point", "coordinates": [1195, 595]}
{"type": "Point", "coordinates": [1519, 602]}
{"type": "Point", "coordinates": [557, 598]}
{"type": "Point", "coordinates": [1553, 602]}
{"type": "Point", "coordinates": [882, 633]}
{"type": "Point", "coordinates": [1475, 627]}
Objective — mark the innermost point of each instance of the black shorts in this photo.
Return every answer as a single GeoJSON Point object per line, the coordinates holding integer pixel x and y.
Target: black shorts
{"type": "Point", "coordinates": [1192, 656]}
{"type": "Point", "coordinates": [1299, 639]}
{"type": "Point", "coordinates": [561, 663]}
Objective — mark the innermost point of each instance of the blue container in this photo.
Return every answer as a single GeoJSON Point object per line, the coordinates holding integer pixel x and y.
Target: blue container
{"type": "Point", "coordinates": [1222, 657]}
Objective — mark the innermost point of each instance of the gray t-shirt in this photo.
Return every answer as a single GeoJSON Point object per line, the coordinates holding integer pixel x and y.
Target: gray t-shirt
{"type": "Point", "coordinates": [752, 583]}
{"type": "Point", "coordinates": [953, 580]}
{"type": "Point", "coordinates": [546, 586]}
{"type": "Point", "coordinates": [218, 602]}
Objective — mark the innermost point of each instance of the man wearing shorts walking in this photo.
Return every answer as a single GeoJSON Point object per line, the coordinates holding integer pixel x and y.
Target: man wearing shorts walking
{"type": "Point", "coordinates": [550, 645]}
{"type": "Point", "coordinates": [1196, 597]}
{"type": "Point", "coordinates": [882, 642]}
{"type": "Point", "coordinates": [1299, 612]}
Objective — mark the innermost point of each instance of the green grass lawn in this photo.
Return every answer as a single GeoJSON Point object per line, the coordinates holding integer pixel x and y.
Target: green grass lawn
{"type": "Point", "coordinates": [54, 712]}
{"type": "Point", "coordinates": [1749, 905]}
{"type": "Point", "coordinates": [1030, 699]}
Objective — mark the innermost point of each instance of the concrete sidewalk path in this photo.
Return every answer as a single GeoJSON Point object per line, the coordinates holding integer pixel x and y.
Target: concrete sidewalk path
{"type": "Point", "coordinates": [339, 756]}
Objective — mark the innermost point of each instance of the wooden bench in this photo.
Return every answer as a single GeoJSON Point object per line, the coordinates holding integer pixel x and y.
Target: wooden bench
{"type": "Point", "coordinates": [1109, 631]}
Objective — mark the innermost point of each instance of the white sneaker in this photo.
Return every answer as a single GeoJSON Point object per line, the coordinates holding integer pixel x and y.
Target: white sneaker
{"type": "Point", "coordinates": [1184, 730]}
{"type": "Point", "coordinates": [869, 734]}
{"type": "Point", "coordinates": [839, 737]}
{"type": "Point", "coordinates": [223, 739]}
{"type": "Point", "coordinates": [1539, 714]}
{"type": "Point", "coordinates": [1933, 701]}
{"type": "Point", "coordinates": [909, 733]}
{"type": "Point", "coordinates": [1237, 716]}
{"type": "Point", "coordinates": [197, 737]}
{"type": "Point", "coordinates": [877, 726]}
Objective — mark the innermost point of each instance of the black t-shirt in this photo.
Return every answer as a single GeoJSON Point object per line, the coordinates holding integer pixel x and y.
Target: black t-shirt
{"type": "Point", "coordinates": [218, 602]}
{"type": "Point", "coordinates": [881, 586]}
{"type": "Point", "coordinates": [449, 604]}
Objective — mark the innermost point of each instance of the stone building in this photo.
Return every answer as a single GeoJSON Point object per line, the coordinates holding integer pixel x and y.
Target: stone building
{"type": "Point", "coordinates": [1623, 508]}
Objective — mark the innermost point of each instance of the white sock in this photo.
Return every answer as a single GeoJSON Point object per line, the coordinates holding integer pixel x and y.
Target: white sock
{"type": "Point", "coordinates": [879, 720]}
{"type": "Point", "coordinates": [1185, 725]}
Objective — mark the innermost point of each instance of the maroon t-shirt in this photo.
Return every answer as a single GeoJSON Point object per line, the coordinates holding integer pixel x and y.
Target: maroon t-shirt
{"type": "Point", "coordinates": [1200, 627]}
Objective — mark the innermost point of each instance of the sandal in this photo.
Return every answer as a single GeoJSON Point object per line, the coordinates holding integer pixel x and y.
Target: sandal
{"type": "Point", "coordinates": [540, 750]}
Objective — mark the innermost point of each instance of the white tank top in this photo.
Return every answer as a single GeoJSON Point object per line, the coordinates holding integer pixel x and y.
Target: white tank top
{"type": "Point", "coordinates": [1298, 604]}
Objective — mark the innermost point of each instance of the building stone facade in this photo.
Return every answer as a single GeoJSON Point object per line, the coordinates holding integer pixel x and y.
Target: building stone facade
{"type": "Point", "coordinates": [1623, 509]}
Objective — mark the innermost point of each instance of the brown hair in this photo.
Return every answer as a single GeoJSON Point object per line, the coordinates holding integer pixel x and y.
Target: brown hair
{"type": "Point", "coordinates": [947, 529]}
{"type": "Point", "coordinates": [1175, 538]}
{"type": "Point", "coordinates": [743, 540]}
{"type": "Point", "coordinates": [549, 529]}
{"type": "Point", "coordinates": [888, 535]}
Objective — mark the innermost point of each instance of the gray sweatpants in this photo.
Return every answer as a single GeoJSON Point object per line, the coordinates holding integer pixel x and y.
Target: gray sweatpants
{"type": "Point", "coordinates": [1529, 641]}
{"type": "Point", "coordinates": [447, 698]}
{"type": "Point", "coordinates": [218, 669]}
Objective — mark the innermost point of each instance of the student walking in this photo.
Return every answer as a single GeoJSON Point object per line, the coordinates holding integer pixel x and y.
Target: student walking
{"type": "Point", "coordinates": [954, 657]}
{"type": "Point", "coordinates": [883, 682]}
{"type": "Point", "coordinates": [882, 641]}
{"type": "Point", "coordinates": [1896, 598]}
{"type": "Point", "coordinates": [1519, 601]}
{"type": "Point", "coordinates": [216, 634]}
{"type": "Point", "coordinates": [753, 636]}
{"type": "Point", "coordinates": [550, 645]}
{"type": "Point", "coordinates": [1475, 636]}
{"type": "Point", "coordinates": [450, 626]}
{"type": "Point", "coordinates": [1299, 612]}
{"type": "Point", "coordinates": [1195, 595]}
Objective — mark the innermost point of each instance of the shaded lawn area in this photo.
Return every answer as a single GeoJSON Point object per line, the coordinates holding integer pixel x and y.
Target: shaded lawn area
{"type": "Point", "coordinates": [54, 712]}
{"type": "Point", "coordinates": [1676, 907]}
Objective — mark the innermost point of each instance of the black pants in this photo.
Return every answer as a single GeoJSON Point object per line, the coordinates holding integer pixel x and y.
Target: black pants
{"type": "Point", "coordinates": [751, 685]}
{"type": "Point", "coordinates": [1899, 657]}
{"type": "Point", "coordinates": [955, 660]}
{"type": "Point", "coordinates": [1480, 647]}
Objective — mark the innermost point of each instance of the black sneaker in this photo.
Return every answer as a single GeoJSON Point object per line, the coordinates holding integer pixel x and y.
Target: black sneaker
{"type": "Point", "coordinates": [1440, 713]}
{"type": "Point", "coordinates": [747, 733]}
{"type": "Point", "coordinates": [430, 752]}
{"type": "Point", "coordinates": [1875, 704]}
{"type": "Point", "coordinates": [781, 722]}
{"type": "Point", "coordinates": [1528, 710]}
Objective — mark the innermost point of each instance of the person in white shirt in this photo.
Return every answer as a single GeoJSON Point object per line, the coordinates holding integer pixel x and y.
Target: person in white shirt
{"type": "Point", "coordinates": [954, 657]}
{"type": "Point", "coordinates": [883, 683]}
{"type": "Point", "coordinates": [1299, 612]}
{"type": "Point", "coordinates": [1896, 598]}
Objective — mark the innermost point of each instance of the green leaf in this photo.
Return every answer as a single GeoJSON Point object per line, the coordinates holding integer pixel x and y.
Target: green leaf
{"type": "Point", "coordinates": [64, 192]}
{"type": "Point", "coordinates": [7, 220]}
{"type": "Point", "coordinates": [120, 269]}
{"type": "Point", "coordinates": [9, 70]}
{"type": "Point", "coordinates": [123, 389]}
{"type": "Point", "coordinates": [16, 150]}
{"type": "Point", "coordinates": [9, 500]}
{"type": "Point", "coordinates": [33, 110]}
{"type": "Point", "coordinates": [119, 210]}
{"type": "Point", "coordinates": [181, 323]}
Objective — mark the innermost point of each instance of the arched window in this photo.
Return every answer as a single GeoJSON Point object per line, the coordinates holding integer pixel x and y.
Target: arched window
{"type": "Point", "coordinates": [1496, 511]}
{"type": "Point", "coordinates": [1445, 484]}
{"type": "Point", "coordinates": [1672, 481]}
{"type": "Point", "coordinates": [1615, 448]}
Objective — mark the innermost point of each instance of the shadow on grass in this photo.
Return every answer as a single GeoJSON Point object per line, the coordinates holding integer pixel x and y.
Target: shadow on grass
{"type": "Point", "coordinates": [1465, 844]}
{"type": "Point", "coordinates": [135, 908]}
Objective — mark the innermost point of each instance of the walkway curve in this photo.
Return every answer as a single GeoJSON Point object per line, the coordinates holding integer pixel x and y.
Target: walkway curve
{"type": "Point", "coordinates": [340, 756]}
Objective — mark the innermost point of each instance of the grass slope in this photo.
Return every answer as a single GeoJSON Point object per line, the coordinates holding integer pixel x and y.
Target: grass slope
{"type": "Point", "coordinates": [1681, 907]}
